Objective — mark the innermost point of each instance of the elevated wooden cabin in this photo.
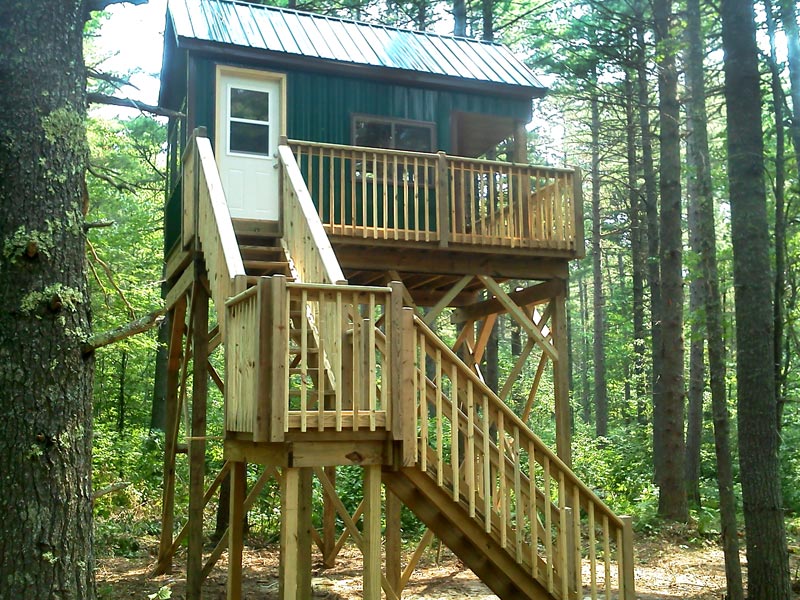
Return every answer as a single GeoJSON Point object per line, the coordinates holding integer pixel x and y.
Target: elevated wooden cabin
{"type": "Point", "coordinates": [330, 180]}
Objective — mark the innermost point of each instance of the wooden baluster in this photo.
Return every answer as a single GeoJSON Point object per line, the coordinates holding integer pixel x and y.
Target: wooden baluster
{"type": "Point", "coordinates": [548, 524]}
{"type": "Point", "coordinates": [322, 351]}
{"type": "Point", "coordinates": [519, 510]}
{"type": "Point", "coordinates": [454, 454]}
{"type": "Point", "coordinates": [358, 375]}
{"type": "Point", "coordinates": [470, 448]}
{"type": "Point", "coordinates": [593, 552]}
{"type": "Point", "coordinates": [423, 403]}
{"type": "Point", "coordinates": [369, 324]}
{"type": "Point", "coordinates": [344, 369]}
{"type": "Point", "coordinates": [563, 535]}
{"type": "Point", "coordinates": [533, 517]}
{"type": "Point", "coordinates": [487, 469]}
{"type": "Point", "coordinates": [576, 528]}
{"type": "Point", "coordinates": [501, 438]}
{"type": "Point", "coordinates": [303, 359]}
{"type": "Point", "coordinates": [439, 418]}
{"type": "Point", "coordinates": [607, 559]}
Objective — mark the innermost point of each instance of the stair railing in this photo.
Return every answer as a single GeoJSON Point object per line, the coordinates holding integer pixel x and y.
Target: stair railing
{"type": "Point", "coordinates": [207, 221]}
{"type": "Point", "coordinates": [307, 242]}
{"type": "Point", "coordinates": [507, 479]}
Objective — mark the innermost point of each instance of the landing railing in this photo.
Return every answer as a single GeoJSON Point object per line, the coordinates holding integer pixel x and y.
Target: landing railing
{"type": "Point", "coordinates": [373, 193]}
{"type": "Point", "coordinates": [305, 357]}
{"type": "Point", "coordinates": [512, 484]}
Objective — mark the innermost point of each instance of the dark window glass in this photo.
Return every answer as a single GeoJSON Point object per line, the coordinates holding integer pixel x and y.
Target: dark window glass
{"type": "Point", "coordinates": [412, 137]}
{"type": "Point", "coordinates": [249, 138]}
{"type": "Point", "coordinates": [249, 104]}
{"type": "Point", "coordinates": [373, 135]}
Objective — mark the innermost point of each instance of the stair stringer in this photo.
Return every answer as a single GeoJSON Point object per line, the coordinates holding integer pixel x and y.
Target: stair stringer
{"type": "Point", "coordinates": [463, 535]}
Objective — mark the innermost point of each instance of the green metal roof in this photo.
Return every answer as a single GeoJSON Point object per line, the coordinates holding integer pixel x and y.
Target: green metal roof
{"type": "Point", "coordinates": [318, 37]}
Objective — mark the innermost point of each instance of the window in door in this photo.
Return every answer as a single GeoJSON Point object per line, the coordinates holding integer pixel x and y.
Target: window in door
{"type": "Point", "coordinates": [248, 122]}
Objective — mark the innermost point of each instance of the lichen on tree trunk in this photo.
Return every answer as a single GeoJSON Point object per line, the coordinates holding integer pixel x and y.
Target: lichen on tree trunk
{"type": "Point", "coordinates": [45, 378]}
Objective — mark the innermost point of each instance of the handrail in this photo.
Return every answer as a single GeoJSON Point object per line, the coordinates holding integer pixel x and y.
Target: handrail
{"type": "Point", "coordinates": [305, 236]}
{"type": "Point", "coordinates": [486, 472]}
{"type": "Point", "coordinates": [207, 220]}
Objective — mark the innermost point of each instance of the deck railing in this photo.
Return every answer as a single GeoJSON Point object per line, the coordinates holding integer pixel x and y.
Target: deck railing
{"type": "Point", "coordinates": [374, 193]}
{"type": "Point", "coordinates": [302, 357]}
{"type": "Point", "coordinates": [507, 479]}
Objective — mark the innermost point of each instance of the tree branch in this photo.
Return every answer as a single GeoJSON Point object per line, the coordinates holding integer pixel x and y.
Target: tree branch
{"type": "Point", "coordinates": [98, 98]}
{"type": "Point", "coordinates": [104, 4]}
{"type": "Point", "coordinates": [140, 325]}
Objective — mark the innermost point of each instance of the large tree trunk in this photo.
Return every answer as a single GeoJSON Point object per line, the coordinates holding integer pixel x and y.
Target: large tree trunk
{"type": "Point", "coordinates": [460, 17]}
{"type": "Point", "coordinates": [637, 256]}
{"type": "Point", "coordinates": [651, 212]}
{"type": "Point", "coordinates": [767, 558]}
{"type": "Point", "coordinates": [672, 490]}
{"type": "Point", "coordinates": [778, 99]}
{"type": "Point", "coordinates": [45, 379]}
{"type": "Point", "coordinates": [598, 347]}
{"type": "Point", "coordinates": [701, 188]}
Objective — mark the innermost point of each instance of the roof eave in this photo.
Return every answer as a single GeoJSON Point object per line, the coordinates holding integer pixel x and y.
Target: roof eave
{"type": "Point", "coordinates": [219, 50]}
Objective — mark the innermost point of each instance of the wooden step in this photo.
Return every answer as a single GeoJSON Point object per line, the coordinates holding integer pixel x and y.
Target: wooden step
{"type": "Point", "coordinates": [250, 252]}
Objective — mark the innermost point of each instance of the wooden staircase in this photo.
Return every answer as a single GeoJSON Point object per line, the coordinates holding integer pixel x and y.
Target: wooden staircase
{"type": "Point", "coordinates": [468, 466]}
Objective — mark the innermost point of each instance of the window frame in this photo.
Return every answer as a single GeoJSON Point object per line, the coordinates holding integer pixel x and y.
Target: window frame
{"type": "Point", "coordinates": [392, 122]}
{"type": "Point", "coordinates": [231, 119]}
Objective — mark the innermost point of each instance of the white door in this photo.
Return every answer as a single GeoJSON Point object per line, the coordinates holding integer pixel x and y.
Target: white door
{"type": "Point", "coordinates": [248, 130]}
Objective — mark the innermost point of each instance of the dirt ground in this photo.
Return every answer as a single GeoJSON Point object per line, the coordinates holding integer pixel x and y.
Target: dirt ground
{"type": "Point", "coordinates": [666, 569]}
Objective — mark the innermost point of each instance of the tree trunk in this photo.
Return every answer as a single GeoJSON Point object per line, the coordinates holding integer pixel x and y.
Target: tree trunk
{"type": "Point", "coordinates": [778, 98]}
{"type": "Point", "coordinates": [460, 17]}
{"type": "Point", "coordinates": [45, 379]}
{"type": "Point", "coordinates": [672, 489]}
{"type": "Point", "coordinates": [767, 557]}
{"type": "Point", "coordinates": [487, 14]}
{"type": "Point", "coordinates": [651, 211]}
{"type": "Point", "coordinates": [789, 21]}
{"type": "Point", "coordinates": [586, 405]}
{"type": "Point", "coordinates": [637, 256]}
{"type": "Point", "coordinates": [123, 371]}
{"type": "Point", "coordinates": [599, 350]}
{"type": "Point", "coordinates": [701, 187]}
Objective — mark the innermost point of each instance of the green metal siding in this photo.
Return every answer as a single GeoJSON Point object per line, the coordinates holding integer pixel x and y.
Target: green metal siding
{"type": "Point", "coordinates": [319, 106]}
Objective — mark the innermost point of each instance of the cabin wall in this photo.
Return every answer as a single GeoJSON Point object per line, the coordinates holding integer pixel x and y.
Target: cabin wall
{"type": "Point", "coordinates": [320, 105]}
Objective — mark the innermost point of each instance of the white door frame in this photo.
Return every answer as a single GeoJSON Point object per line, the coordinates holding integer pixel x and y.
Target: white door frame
{"type": "Point", "coordinates": [220, 140]}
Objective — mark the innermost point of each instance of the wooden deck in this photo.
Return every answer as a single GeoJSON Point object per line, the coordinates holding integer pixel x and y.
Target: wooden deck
{"type": "Point", "coordinates": [320, 372]}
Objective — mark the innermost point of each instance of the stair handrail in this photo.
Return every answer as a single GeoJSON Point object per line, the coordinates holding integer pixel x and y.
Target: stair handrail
{"type": "Point", "coordinates": [573, 493]}
{"type": "Point", "coordinates": [307, 242]}
{"type": "Point", "coordinates": [207, 222]}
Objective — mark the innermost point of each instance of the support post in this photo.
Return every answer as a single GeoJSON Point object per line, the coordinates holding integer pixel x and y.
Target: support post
{"type": "Point", "coordinates": [290, 520]}
{"type": "Point", "coordinates": [372, 532]}
{"type": "Point", "coordinates": [197, 443]}
{"type": "Point", "coordinates": [329, 524]}
{"type": "Point", "coordinates": [626, 578]}
{"type": "Point", "coordinates": [177, 317]}
{"type": "Point", "coordinates": [443, 200]}
{"type": "Point", "coordinates": [563, 409]}
{"type": "Point", "coordinates": [238, 475]}
{"type": "Point", "coordinates": [393, 542]}
{"type": "Point", "coordinates": [295, 560]}
{"type": "Point", "coordinates": [304, 525]}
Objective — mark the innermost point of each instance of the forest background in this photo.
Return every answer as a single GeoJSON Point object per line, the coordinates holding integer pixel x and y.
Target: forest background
{"type": "Point", "coordinates": [644, 291]}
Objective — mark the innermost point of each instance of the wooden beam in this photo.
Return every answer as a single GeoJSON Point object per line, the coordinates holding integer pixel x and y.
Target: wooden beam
{"type": "Point", "coordinates": [177, 316]}
{"type": "Point", "coordinates": [372, 532]}
{"type": "Point", "coordinates": [197, 445]}
{"type": "Point", "coordinates": [535, 294]}
{"type": "Point", "coordinates": [290, 521]}
{"type": "Point", "coordinates": [393, 541]}
{"type": "Point", "coordinates": [446, 299]}
{"type": "Point", "coordinates": [304, 527]}
{"type": "Point", "coordinates": [400, 256]}
{"type": "Point", "coordinates": [519, 316]}
{"type": "Point", "coordinates": [238, 486]}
